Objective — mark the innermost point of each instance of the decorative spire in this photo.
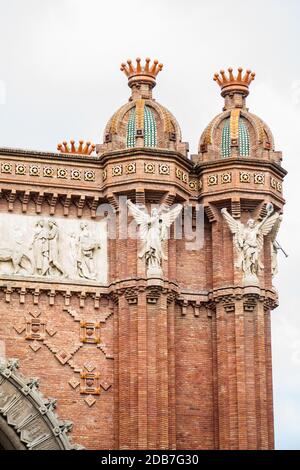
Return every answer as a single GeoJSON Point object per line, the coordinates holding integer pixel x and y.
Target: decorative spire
{"type": "Point", "coordinates": [141, 73]}
{"type": "Point", "coordinates": [81, 149]}
{"type": "Point", "coordinates": [231, 84]}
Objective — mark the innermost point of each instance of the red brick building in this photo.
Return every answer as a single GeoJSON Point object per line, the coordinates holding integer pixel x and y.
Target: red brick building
{"type": "Point", "coordinates": [178, 360]}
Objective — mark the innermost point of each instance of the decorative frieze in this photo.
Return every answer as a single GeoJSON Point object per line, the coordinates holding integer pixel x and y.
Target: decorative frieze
{"type": "Point", "coordinates": [259, 178]}
{"type": "Point", "coordinates": [245, 177]}
{"type": "Point", "coordinates": [194, 185]}
{"type": "Point", "coordinates": [212, 180]}
{"type": "Point", "coordinates": [117, 170]}
{"type": "Point", "coordinates": [149, 167]}
{"type": "Point", "coordinates": [130, 168]}
{"type": "Point", "coordinates": [181, 175]}
{"type": "Point", "coordinates": [226, 178]}
{"type": "Point", "coordinates": [62, 173]}
{"type": "Point", "coordinates": [75, 174]}
{"type": "Point", "coordinates": [20, 169]}
{"type": "Point", "coordinates": [275, 184]}
{"type": "Point", "coordinates": [47, 171]}
{"type": "Point", "coordinates": [34, 170]}
{"type": "Point", "coordinates": [6, 168]}
{"type": "Point", "coordinates": [164, 169]}
{"type": "Point", "coordinates": [53, 248]}
{"type": "Point", "coordinates": [89, 175]}
{"type": "Point", "coordinates": [178, 173]}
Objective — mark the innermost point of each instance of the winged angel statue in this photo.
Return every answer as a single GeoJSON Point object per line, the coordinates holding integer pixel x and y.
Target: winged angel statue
{"type": "Point", "coordinates": [249, 239]}
{"type": "Point", "coordinates": [153, 230]}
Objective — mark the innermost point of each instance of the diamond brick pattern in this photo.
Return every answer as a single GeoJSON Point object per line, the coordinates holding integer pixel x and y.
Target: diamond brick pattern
{"type": "Point", "coordinates": [175, 360]}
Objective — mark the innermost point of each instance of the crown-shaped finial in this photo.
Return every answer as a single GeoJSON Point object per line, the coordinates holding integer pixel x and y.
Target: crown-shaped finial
{"type": "Point", "coordinates": [231, 84]}
{"type": "Point", "coordinates": [82, 149]}
{"type": "Point", "coordinates": [141, 73]}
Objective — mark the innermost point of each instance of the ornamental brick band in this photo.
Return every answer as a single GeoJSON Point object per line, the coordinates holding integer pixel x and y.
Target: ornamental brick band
{"type": "Point", "coordinates": [147, 341]}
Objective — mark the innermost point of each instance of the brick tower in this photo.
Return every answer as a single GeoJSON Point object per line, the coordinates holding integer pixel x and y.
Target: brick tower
{"type": "Point", "coordinates": [177, 359]}
{"type": "Point", "coordinates": [242, 172]}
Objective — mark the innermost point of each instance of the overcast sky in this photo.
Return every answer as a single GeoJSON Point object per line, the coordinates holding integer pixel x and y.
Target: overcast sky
{"type": "Point", "coordinates": [60, 78]}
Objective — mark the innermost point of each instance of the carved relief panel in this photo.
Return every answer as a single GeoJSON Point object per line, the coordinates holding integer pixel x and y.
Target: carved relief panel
{"type": "Point", "coordinates": [38, 247]}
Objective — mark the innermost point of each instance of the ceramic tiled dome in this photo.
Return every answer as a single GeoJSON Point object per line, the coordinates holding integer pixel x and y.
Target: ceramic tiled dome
{"type": "Point", "coordinates": [236, 132]}
{"type": "Point", "coordinates": [142, 122]}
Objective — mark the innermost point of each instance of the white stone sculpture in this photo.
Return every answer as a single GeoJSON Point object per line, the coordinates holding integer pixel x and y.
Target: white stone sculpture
{"type": "Point", "coordinates": [248, 241]}
{"type": "Point", "coordinates": [16, 252]}
{"type": "Point", "coordinates": [40, 248]}
{"type": "Point", "coordinates": [54, 248]}
{"type": "Point", "coordinates": [73, 241]}
{"type": "Point", "coordinates": [17, 257]}
{"type": "Point", "coordinates": [153, 231]}
{"type": "Point", "coordinates": [87, 246]}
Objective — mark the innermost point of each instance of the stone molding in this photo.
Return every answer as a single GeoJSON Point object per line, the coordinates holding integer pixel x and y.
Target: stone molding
{"type": "Point", "coordinates": [131, 288]}
{"type": "Point", "coordinates": [29, 413]}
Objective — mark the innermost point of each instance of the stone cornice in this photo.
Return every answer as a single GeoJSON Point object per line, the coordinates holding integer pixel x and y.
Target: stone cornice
{"type": "Point", "coordinates": [97, 159]}
{"type": "Point", "coordinates": [237, 292]}
{"type": "Point", "coordinates": [54, 156]}
{"type": "Point", "coordinates": [148, 152]}
{"type": "Point", "coordinates": [144, 152]}
{"type": "Point", "coordinates": [129, 287]}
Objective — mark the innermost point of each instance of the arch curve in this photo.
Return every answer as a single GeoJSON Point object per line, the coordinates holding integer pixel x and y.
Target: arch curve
{"type": "Point", "coordinates": [27, 419]}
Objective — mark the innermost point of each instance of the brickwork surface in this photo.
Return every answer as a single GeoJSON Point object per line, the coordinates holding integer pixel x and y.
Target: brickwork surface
{"type": "Point", "coordinates": [183, 362]}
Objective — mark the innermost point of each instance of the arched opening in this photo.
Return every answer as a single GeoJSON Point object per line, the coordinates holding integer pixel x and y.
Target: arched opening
{"type": "Point", "coordinates": [27, 419]}
{"type": "Point", "coordinates": [9, 439]}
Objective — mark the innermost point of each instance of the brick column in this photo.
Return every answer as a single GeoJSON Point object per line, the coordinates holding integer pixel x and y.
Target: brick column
{"type": "Point", "coordinates": [162, 373]}
{"type": "Point", "coordinates": [243, 376]}
{"type": "Point", "coordinates": [222, 376]}
{"type": "Point", "coordinates": [261, 378]}
{"type": "Point", "coordinates": [231, 377]}
{"type": "Point", "coordinates": [145, 372]}
{"type": "Point", "coordinates": [123, 391]}
{"type": "Point", "coordinates": [171, 377]}
{"type": "Point", "coordinates": [142, 383]}
{"type": "Point", "coordinates": [269, 379]}
{"type": "Point", "coordinates": [241, 385]}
